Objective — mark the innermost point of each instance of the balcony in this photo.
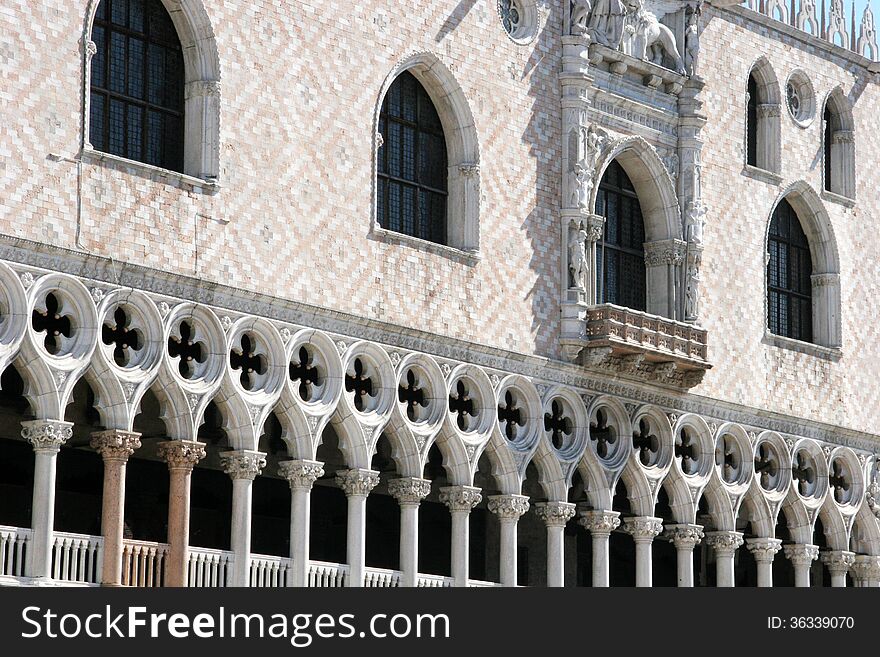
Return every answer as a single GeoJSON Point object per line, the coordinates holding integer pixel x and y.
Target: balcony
{"type": "Point", "coordinates": [641, 346]}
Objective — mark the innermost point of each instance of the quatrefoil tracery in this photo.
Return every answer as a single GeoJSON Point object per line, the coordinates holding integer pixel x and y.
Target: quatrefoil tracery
{"type": "Point", "coordinates": [54, 323]}
{"type": "Point", "coordinates": [125, 339]}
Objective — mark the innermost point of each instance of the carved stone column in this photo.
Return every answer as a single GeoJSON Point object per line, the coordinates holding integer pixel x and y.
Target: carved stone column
{"type": "Point", "coordinates": [181, 456]}
{"type": "Point", "coordinates": [801, 557]}
{"type": "Point", "coordinates": [838, 563]}
{"type": "Point", "coordinates": [509, 509]}
{"type": "Point", "coordinates": [600, 524]}
{"type": "Point", "coordinates": [460, 500]}
{"type": "Point", "coordinates": [409, 493]}
{"type": "Point", "coordinates": [866, 571]}
{"type": "Point", "coordinates": [357, 485]}
{"type": "Point", "coordinates": [643, 530]}
{"type": "Point", "coordinates": [301, 475]}
{"type": "Point", "coordinates": [725, 545]}
{"type": "Point", "coordinates": [663, 260]}
{"type": "Point", "coordinates": [555, 516]}
{"type": "Point", "coordinates": [685, 538]}
{"type": "Point", "coordinates": [46, 437]}
{"type": "Point", "coordinates": [242, 466]}
{"type": "Point", "coordinates": [115, 448]}
{"type": "Point", "coordinates": [764, 550]}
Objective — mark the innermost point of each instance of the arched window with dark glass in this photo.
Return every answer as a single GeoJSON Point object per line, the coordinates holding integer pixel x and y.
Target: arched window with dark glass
{"type": "Point", "coordinates": [827, 144]}
{"type": "Point", "coordinates": [752, 122]}
{"type": "Point", "coordinates": [412, 167]}
{"type": "Point", "coordinates": [137, 84]}
{"type": "Point", "coordinates": [621, 251]}
{"type": "Point", "coordinates": [789, 276]}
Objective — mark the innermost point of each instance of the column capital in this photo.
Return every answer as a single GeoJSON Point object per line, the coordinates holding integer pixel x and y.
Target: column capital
{"type": "Point", "coordinates": [838, 561]}
{"type": "Point", "coordinates": [409, 491]}
{"type": "Point", "coordinates": [115, 445]}
{"type": "Point", "coordinates": [357, 481]}
{"type": "Point", "coordinates": [555, 514]}
{"type": "Point", "coordinates": [181, 454]}
{"type": "Point", "coordinates": [508, 507]}
{"type": "Point", "coordinates": [460, 498]}
{"type": "Point", "coordinates": [243, 463]}
{"type": "Point", "coordinates": [598, 523]}
{"type": "Point", "coordinates": [764, 549]}
{"type": "Point", "coordinates": [801, 555]}
{"type": "Point", "coordinates": [301, 474]}
{"type": "Point", "coordinates": [866, 568]}
{"type": "Point", "coordinates": [644, 528]}
{"type": "Point", "coordinates": [46, 436]}
{"type": "Point", "coordinates": [724, 543]}
{"type": "Point", "coordinates": [685, 536]}
{"type": "Point", "coordinates": [594, 224]}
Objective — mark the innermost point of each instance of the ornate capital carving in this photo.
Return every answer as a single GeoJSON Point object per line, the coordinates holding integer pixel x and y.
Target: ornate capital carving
{"type": "Point", "coordinates": [91, 49]}
{"type": "Point", "coordinates": [644, 528]}
{"type": "Point", "coordinates": [409, 490]}
{"type": "Point", "coordinates": [594, 224]}
{"type": "Point", "coordinates": [769, 110]}
{"type": "Point", "coordinates": [460, 498]}
{"type": "Point", "coordinates": [555, 514]}
{"type": "Point", "coordinates": [838, 561]}
{"type": "Point", "coordinates": [301, 475]}
{"type": "Point", "coordinates": [508, 507]}
{"type": "Point", "coordinates": [764, 549]}
{"type": "Point", "coordinates": [115, 445]}
{"type": "Point", "coordinates": [843, 137]}
{"type": "Point", "coordinates": [724, 543]}
{"type": "Point", "coordinates": [357, 481]}
{"type": "Point", "coordinates": [243, 464]}
{"type": "Point", "coordinates": [801, 555]}
{"type": "Point", "coordinates": [46, 436]}
{"type": "Point", "coordinates": [202, 88]}
{"type": "Point", "coordinates": [665, 252]}
{"type": "Point", "coordinates": [599, 523]}
{"type": "Point", "coordinates": [469, 169]}
{"type": "Point", "coordinates": [866, 568]}
{"type": "Point", "coordinates": [824, 280]}
{"type": "Point", "coordinates": [181, 454]}
{"type": "Point", "coordinates": [685, 537]}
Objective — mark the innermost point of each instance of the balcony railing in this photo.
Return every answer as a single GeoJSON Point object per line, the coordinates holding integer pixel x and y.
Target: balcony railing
{"type": "Point", "coordinates": [143, 563]}
{"type": "Point", "coordinates": [13, 550]}
{"type": "Point", "coordinates": [76, 558]}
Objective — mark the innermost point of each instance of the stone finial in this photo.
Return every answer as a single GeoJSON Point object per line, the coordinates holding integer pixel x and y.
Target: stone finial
{"type": "Point", "coordinates": [181, 454]}
{"type": "Point", "coordinates": [46, 436]}
{"type": "Point", "coordinates": [685, 536]}
{"type": "Point", "coordinates": [243, 464]}
{"type": "Point", "coordinates": [508, 507]}
{"type": "Point", "coordinates": [115, 445]}
{"type": "Point", "coordinates": [357, 481]}
{"type": "Point", "coordinates": [801, 555]}
{"type": "Point", "coordinates": [724, 543]}
{"type": "Point", "coordinates": [409, 490]}
{"type": "Point", "coordinates": [643, 528]}
{"type": "Point", "coordinates": [555, 514]}
{"type": "Point", "coordinates": [301, 475]}
{"type": "Point", "coordinates": [599, 522]}
{"type": "Point", "coordinates": [460, 498]}
{"type": "Point", "coordinates": [764, 549]}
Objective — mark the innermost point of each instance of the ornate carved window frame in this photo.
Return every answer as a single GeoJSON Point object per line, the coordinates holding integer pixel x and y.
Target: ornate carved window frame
{"type": "Point", "coordinates": [769, 110]}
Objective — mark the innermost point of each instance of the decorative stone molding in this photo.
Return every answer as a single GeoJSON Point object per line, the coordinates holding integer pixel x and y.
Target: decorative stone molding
{"type": "Point", "coordinates": [764, 549]}
{"type": "Point", "coordinates": [555, 514]}
{"type": "Point", "coordinates": [866, 569]}
{"type": "Point", "coordinates": [684, 537]}
{"type": "Point", "coordinates": [46, 436]}
{"type": "Point", "coordinates": [838, 561]}
{"type": "Point", "coordinates": [724, 543]}
{"type": "Point", "coordinates": [409, 491]}
{"type": "Point", "coordinates": [243, 464]}
{"type": "Point", "coordinates": [202, 88]}
{"type": "Point", "coordinates": [357, 481]}
{"type": "Point", "coordinates": [508, 507]}
{"type": "Point", "coordinates": [801, 555]}
{"type": "Point", "coordinates": [115, 445]}
{"type": "Point", "coordinates": [599, 523]}
{"type": "Point", "coordinates": [460, 498]}
{"type": "Point", "coordinates": [665, 252]}
{"type": "Point", "coordinates": [181, 454]}
{"type": "Point", "coordinates": [301, 475]}
{"type": "Point", "coordinates": [769, 110]}
{"type": "Point", "coordinates": [643, 529]}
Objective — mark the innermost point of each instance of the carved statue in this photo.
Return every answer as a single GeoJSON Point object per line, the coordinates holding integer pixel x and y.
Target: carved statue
{"type": "Point", "coordinates": [651, 38]}
{"type": "Point", "coordinates": [580, 16]}
{"type": "Point", "coordinates": [578, 266]}
{"type": "Point", "coordinates": [606, 22]}
{"type": "Point", "coordinates": [581, 177]}
{"type": "Point", "coordinates": [694, 221]}
{"type": "Point", "coordinates": [873, 496]}
{"type": "Point", "coordinates": [692, 292]}
{"type": "Point", "coordinates": [692, 43]}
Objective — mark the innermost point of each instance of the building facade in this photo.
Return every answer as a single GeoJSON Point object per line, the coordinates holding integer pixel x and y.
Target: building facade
{"type": "Point", "coordinates": [494, 292]}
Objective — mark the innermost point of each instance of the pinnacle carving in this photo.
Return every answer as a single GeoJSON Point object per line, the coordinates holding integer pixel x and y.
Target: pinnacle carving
{"type": "Point", "coordinates": [301, 475]}
{"type": "Point", "coordinates": [182, 454]}
{"type": "Point", "coordinates": [46, 435]}
{"type": "Point", "coordinates": [243, 464]}
{"type": "Point", "coordinates": [115, 445]}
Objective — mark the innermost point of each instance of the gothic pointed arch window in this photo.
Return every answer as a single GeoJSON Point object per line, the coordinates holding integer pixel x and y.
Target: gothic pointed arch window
{"type": "Point", "coordinates": [838, 146]}
{"type": "Point", "coordinates": [621, 275]}
{"type": "Point", "coordinates": [789, 276]}
{"type": "Point", "coordinates": [412, 187]}
{"type": "Point", "coordinates": [763, 119]}
{"type": "Point", "coordinates": [136, 107]}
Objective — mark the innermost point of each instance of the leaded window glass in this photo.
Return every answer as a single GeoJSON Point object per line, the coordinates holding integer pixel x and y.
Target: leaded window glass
{"type": "Point", "coordinates": [789, 277]}
{"type": "Point", "coordinates": [137, 99]}
{"type": "Point", "coordinates": [412, 168]}
{"type": "Point", "coordinates": [621, 251]}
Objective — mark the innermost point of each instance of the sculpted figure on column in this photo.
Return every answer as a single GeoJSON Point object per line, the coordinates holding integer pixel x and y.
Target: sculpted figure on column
{"type": "Point", "coordinates": [692, 43]}
{"type": "Point", "coordinates": [580, 16]}
{"type": "Point", "coordinates": [606, 22]}
{"type": "Point", "coordinates": [578, 267]}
